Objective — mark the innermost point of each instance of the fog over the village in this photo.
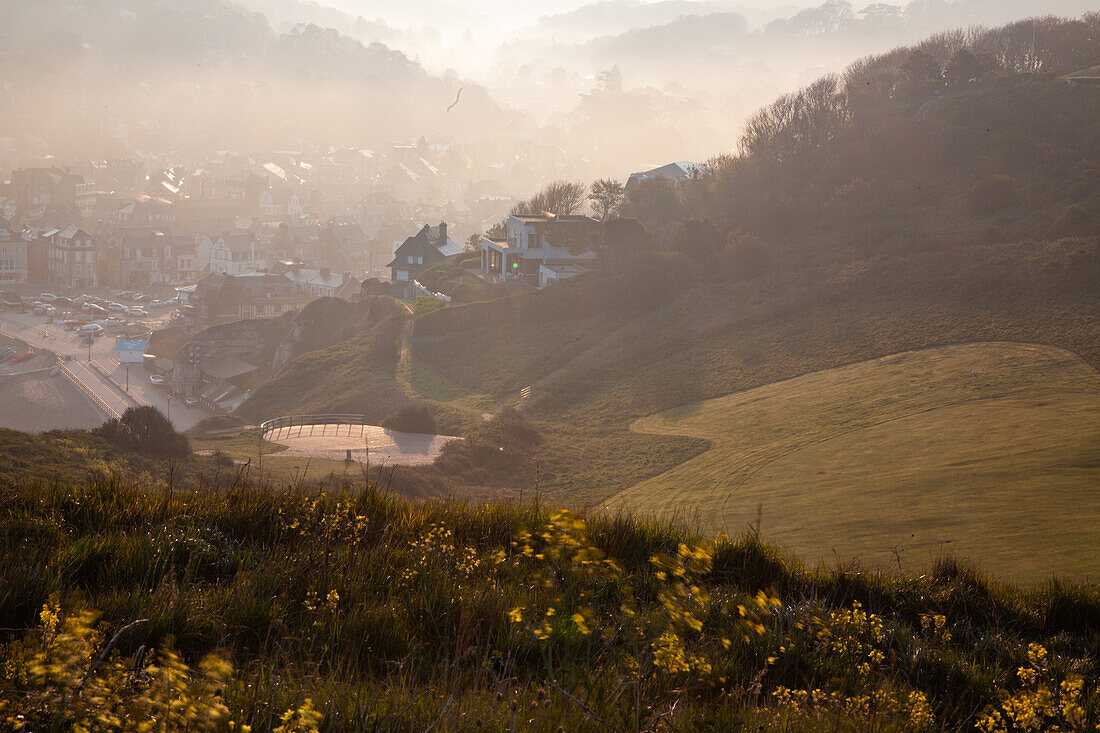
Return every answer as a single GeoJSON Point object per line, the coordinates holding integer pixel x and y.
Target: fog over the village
{"type": "Point", "coordinates": [547, 90]}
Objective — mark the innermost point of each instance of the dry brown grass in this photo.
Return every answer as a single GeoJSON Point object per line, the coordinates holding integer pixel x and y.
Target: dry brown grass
{"type": "Point", "coordinates": [985, 449]}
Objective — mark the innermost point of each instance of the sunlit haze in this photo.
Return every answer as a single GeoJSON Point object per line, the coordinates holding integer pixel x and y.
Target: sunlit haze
{"type": "Point", "coordinates": [550, 365]}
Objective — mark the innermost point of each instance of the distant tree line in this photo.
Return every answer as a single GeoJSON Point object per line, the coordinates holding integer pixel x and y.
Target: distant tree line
{"type": "Point", "coordinates": [847, 164]}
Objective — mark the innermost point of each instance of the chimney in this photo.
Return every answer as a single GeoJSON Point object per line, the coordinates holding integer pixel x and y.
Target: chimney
{"type": "Point", "coordinates": [325, 272]}
{"type": "Point", "coordinates": [442, 233]}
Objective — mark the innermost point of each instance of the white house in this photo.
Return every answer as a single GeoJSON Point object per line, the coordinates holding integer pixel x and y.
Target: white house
{"type": "Point", "coordinates": [533, 241]}
{"type": "Point", "coordinates": [235, 254]}
{"type": "Point", "coordinates": [323, 282]}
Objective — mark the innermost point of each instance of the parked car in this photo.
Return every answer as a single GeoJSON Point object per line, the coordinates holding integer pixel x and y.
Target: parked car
{"type": "Point", "coordinates": [47, 297]}
{"type": "Point", "coordinates": [118, 307]}
{"type": "Point", "coordinates": [191, 401]}
{"type": "Point", "coordinates": [92, 329]}
{"type": "Point", "coordinates": [137, 311]}
{"type": "Point", "coordinates": [156, 378]}
{"type": "Point", "coordinates": [83, 299]}
{"type": "Point", "coordinates": [138, 297]}
{"type": "Point", "coordinates": [72, 324]}
{"type": "Point", "coordinates": [39, 310]}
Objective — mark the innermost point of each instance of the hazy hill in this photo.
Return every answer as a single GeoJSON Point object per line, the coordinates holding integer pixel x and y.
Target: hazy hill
{"type": "Point", "coordinates": [212, 75]}
{"type": "Point", "coordinates": [851, 228]}
{"type": "Point", "coordinates": [612, 17]}
{"type": "Point", "coordinates": [935, 195]}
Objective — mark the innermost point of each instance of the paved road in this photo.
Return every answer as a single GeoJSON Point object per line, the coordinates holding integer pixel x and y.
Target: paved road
{"type": "Point", "coordinates": [99, 370]}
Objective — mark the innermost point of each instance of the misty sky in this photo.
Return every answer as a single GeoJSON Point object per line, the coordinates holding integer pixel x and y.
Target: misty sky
{"type": "Point", "coordinates": [513, 13]}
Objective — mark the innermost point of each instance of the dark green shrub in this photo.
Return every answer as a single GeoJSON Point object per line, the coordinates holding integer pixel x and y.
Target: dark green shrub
{"type": "Point", "coordinates": [147, 430]}
{"type": "Point", "coordinates": [412, 419]}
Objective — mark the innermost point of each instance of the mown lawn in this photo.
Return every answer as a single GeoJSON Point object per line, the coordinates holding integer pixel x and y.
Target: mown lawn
{"type": "Point", "coordinates": [988, 450]}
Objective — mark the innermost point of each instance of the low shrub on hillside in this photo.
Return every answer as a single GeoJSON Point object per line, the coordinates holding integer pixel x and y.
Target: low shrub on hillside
{"type": "Point", "coordinates": [426, 304]}
{"type": "Point", "coordinates": [216, 423]}
{"type": "Point", "coordinates": [412, 419]}
{"type": "Point", "coordinates": [499, 451]}
{"type": "Point", "coordinates": [145, 429]}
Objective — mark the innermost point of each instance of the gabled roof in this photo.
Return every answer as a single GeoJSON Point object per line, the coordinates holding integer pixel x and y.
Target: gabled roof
{"type": "Point", "coordinates": [380, 198]}
{"type": "Point", "coordinates": [71, 233]}
{"type": "Point", "coordinates": [451, 248]}
{"type": "Point", "coordinates": [246, 177]}
{"type": "Point", "coordinates": [416, 246]}
{"type": "Point", "coordinates": [237, 242]}
{"type": "Point", "coordinates": [674, 172]}
{"type": "Point", "coordinates": [349, 233]}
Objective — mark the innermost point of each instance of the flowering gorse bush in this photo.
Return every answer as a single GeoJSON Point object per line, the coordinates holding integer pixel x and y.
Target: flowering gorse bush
{"type": "Point", "coordinates": [61, 680]}
{"type": "Point", "coordinates": [563, 567]}
{"type": "Point", "coordinates": [1045, 701]}
{"type": "Point", "coordinates": [853, 637]}
{"type": "Point", "coordinates": [798, 707]}
{"type": "Point", "coordinates": [665, 638]}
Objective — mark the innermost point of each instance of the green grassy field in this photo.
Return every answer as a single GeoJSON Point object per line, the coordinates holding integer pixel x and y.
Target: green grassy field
{"type": "Point", "coordinates": [987, 450]}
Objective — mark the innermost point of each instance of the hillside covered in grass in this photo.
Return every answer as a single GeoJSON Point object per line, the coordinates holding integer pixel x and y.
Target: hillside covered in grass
{"type": "Point", "coordinates": [353, 610]}
{"type": "Point", "coordinates": [935, 195]}
{"type": "Point", "coordinates": [987, 449]}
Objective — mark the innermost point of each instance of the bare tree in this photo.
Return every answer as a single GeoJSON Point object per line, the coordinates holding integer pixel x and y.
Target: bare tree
{"type": "Point", "coordinates": [606, 196]}
{"type": "Point", "coordinates": [560, 198]}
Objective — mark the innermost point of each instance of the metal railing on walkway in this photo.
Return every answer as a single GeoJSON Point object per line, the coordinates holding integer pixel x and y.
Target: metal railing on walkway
{"type": "Point", "coordinates": [312, 422]}
{"type": "Point", "coordinates": [99, 402]}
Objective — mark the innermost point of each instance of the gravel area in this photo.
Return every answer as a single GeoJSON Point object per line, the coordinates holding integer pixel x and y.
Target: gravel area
{"type": "Point", "coordinates": [38, 402]}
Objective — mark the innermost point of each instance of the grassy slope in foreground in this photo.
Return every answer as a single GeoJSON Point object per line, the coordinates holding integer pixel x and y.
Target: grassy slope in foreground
{"type": "Point", "coordinates": [987, 449]}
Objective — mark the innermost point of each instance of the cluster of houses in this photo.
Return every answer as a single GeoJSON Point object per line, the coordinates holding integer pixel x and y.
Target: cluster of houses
{"type": "Point", "coordinates": [256, 245]}
{"type": "Point", "coordinates": [268, 238]}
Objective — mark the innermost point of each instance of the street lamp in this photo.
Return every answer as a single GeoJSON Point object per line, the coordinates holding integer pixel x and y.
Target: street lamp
{"type": "Point", "coordinates": [169, 415]}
